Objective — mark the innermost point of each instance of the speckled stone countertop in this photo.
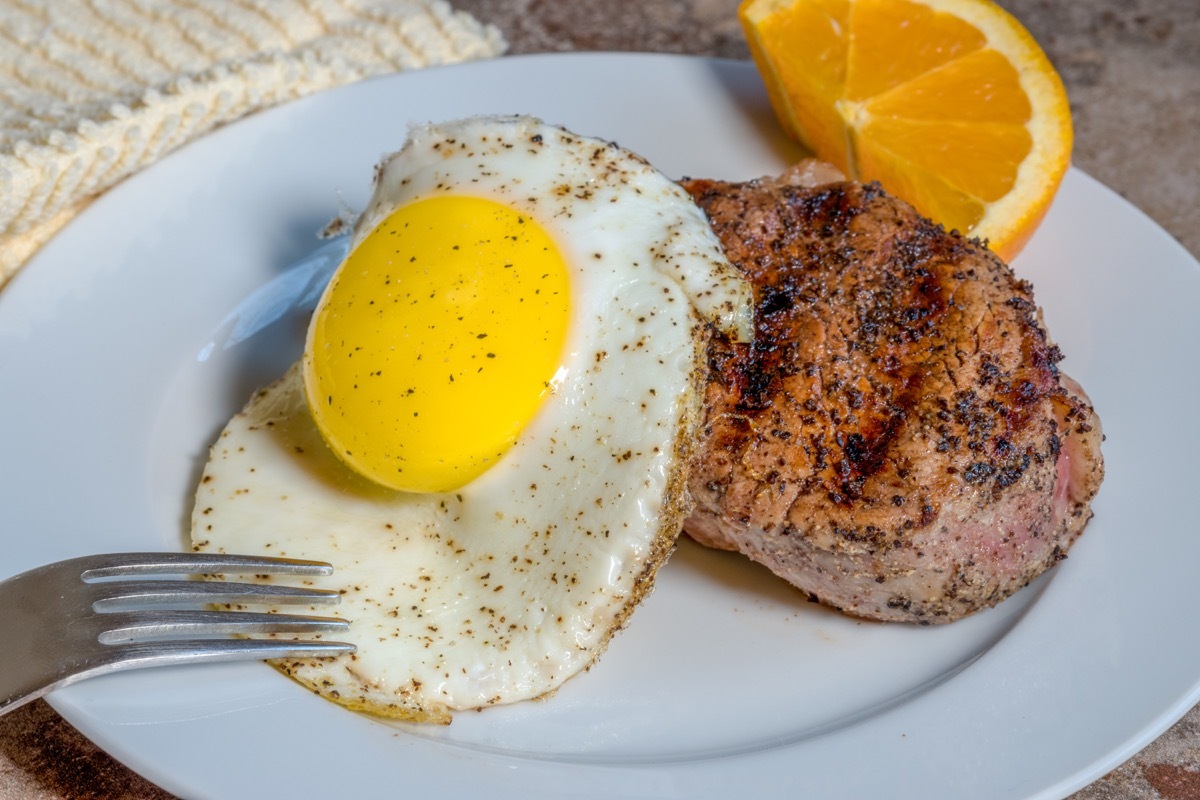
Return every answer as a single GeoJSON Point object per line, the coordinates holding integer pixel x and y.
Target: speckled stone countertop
{"type": "Point", "coordinates": [1132, 69]}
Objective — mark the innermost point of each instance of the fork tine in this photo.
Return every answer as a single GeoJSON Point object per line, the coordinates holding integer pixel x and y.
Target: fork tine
{"type": "Point", "coordinates": [153, 654]}
{"type": "Point", "coordinates": [115, 594]}
{"type": "Point", "coordinates": [132, 625]}
{"type": "Point", "coordinates": [120, 564]}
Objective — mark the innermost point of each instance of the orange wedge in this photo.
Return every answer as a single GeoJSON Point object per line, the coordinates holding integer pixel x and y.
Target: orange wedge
{"type": "Point", "coordinates": [950, 104]}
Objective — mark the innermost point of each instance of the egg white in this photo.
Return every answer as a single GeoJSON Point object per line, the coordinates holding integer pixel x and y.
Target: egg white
{"type": "Point", "coordinates": [502, 590]}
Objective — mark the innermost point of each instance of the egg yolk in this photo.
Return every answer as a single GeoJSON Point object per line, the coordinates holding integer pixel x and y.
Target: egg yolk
{"type": "Point", "coordinates": [436, 342]}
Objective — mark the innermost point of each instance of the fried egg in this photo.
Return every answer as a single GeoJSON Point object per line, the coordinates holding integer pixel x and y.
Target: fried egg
{"type": "Point", "coordinates": [488, 432]}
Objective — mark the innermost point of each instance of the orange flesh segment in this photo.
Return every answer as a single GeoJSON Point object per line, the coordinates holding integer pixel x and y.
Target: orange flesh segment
{"type": "Point", "coordinates": [944, 102]}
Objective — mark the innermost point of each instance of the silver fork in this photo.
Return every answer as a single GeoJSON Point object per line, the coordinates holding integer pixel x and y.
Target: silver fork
{"type": "Point", "coordinates": [71, 620]}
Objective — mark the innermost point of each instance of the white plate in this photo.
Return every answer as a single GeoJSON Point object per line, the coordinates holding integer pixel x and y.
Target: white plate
{"type": "Point", "coordinates": [135, 333]}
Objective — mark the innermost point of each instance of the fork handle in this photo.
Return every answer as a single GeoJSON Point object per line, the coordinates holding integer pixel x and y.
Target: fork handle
{"type": "Point", "coordinates": [37, 659]}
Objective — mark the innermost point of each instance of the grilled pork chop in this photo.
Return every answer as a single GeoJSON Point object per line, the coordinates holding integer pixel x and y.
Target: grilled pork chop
{"type": "Point", "coordinates": [897, 442]}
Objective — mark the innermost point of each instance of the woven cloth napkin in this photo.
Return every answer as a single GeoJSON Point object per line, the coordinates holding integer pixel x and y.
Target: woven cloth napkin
{"type": "Point", "coordinates": [93, 90]}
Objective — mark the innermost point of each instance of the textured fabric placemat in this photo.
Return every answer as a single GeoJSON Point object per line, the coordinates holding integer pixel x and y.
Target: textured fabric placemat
{"type": "Point", "coordinates": [93, 90]}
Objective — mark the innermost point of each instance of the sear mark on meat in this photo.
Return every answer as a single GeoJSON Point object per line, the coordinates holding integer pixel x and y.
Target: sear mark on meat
{"type": "Point", "coordinates": [897, 441]}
